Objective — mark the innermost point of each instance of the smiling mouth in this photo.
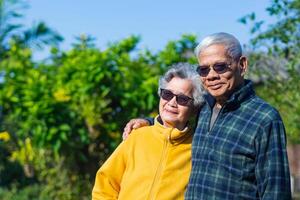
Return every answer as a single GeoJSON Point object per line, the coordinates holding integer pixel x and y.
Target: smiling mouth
{"type": "Point", "coordinates": [215, 86]}
{"type": "Point", "coordinates": [172, 112]}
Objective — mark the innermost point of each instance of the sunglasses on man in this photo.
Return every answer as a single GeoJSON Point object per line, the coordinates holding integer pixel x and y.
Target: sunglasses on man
{"type": "Point", "coordinates": [181, 99]}
{"type": "Point", "coordinates": [220, 68]}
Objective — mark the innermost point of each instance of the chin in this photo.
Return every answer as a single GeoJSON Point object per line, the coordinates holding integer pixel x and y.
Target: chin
{"type": "Point", "coordinates": [169, 119]}
{"type": "Point", "coordinates": [216, 93]}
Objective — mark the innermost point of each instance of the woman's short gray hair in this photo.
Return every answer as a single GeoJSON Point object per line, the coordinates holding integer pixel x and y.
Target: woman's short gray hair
{"type": "Point", "coordinates": [184, 71]}
{"type": "Point", "coordinates": [231, 44]}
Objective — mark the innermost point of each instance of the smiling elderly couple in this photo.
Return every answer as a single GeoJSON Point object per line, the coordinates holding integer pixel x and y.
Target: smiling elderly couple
{"type": "Point", "coordinates": [237, 151]}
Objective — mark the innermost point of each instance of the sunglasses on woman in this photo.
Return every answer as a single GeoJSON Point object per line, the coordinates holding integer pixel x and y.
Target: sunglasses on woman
{"type": "Point", "coordinates": [181, 99]}
{"type": "Point", "coordinates": [220, 68]}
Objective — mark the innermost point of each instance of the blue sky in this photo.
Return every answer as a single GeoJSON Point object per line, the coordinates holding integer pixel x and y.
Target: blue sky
{"type": "Point", "coordinates": [156, 21]}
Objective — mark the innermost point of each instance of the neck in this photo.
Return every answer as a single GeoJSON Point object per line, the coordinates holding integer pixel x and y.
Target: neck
{"type": "Point", "coordinates": [220, 101]}
{"type": "Point", "coordinates": [179, 126]}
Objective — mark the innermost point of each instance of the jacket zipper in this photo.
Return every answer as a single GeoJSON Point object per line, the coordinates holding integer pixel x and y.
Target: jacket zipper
{"type": "Point", "coordinates": [159, 169]}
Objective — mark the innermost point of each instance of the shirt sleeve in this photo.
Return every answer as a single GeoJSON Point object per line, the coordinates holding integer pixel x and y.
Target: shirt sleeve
{"type": "Point", "coordinates": [109, 176]}
{"type": "Point", "coordinates": [272, 169]}
{"type": "Point", "coordinates": [150, 120]}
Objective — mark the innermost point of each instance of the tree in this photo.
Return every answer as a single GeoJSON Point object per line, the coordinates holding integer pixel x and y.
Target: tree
{"type": "Point", "coordinates": [36, 36]}
{"type": "Point", "coordinates": [282, 42]}
{"type": "Point", "coordinates": [62, 118]}
{"type": "Point", "coordinates": [70, 112]}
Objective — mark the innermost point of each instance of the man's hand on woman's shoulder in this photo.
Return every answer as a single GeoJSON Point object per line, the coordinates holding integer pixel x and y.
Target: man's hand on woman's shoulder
{"type": "Point", "coordinates": [134, 124]}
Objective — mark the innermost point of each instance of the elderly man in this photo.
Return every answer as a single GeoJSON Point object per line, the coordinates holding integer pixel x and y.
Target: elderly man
{"type": "Point", "coordinates": [239, 146]}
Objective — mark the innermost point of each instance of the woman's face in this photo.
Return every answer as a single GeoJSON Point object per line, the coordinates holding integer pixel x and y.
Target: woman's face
{"type": "Point", "coordinates": [171, 112]}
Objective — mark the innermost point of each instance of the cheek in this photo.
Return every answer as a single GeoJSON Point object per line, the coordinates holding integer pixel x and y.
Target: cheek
{"type": "Point", "coordinates": [203, 80]}
{"type": "Point", "coordinates": [229, 79]}
{"type": "Point", "coordinates": [229, 76]}
{"type": "Point", "coordinates": [162, 103]}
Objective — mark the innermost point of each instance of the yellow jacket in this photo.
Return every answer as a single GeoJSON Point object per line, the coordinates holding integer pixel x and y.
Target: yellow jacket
{"type": "Point", "coordinates": [154, 162]}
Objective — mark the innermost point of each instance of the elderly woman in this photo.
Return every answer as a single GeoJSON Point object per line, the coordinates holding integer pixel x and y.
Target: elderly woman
{"type": "Point", "coordinates": [155, 161]}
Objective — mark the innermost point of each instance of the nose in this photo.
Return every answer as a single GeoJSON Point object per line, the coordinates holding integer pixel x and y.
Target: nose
{"type": "Point", "coordinates": [172, 102]}
{"type": "Point", "coordinates": [212, 74]}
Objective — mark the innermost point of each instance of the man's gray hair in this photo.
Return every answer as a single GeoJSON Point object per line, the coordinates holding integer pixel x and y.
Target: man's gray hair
{"type": "Point", "coordinates": [231, 44]}
{"type": "Point", "coordinates": [184, 71]}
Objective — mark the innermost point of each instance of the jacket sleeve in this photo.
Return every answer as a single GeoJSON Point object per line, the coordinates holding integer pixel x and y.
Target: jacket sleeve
{"type": "Point", "coordinates": [150, 120]}
{"type": "Point", "coordinates": [272, 169]}
{"type": "Point", "coordinates": [109, 176]}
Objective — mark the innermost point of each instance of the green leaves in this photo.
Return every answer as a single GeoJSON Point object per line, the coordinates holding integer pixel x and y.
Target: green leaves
{"type": "Point", "coordinates": [82, 100]}
{"type": "Point", "coordinates": [282, 41]}
{"type": "Point", "coordinates": [37, 36]}
{"type": "Point", "coordinates": [75, 106]}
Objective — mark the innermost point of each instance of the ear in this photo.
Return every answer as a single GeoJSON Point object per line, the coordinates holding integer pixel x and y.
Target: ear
{"type": "Point", "coordinates": [243, 65]}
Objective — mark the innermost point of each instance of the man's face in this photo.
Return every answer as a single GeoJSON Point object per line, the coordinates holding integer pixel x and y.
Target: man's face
{"type": "Point", "coordinates": [222, 74]}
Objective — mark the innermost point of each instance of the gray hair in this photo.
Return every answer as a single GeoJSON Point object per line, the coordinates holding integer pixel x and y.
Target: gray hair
{"type": "Point", "coordinates": [231, 44]}
{"type": "Point", "coordinates": [184, 71]}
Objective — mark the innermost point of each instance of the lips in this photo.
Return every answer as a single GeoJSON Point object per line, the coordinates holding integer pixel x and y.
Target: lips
{"type": "Point", "coordinates": [215, 86]}
{"type": "Point", "coordinates": [171, 111]}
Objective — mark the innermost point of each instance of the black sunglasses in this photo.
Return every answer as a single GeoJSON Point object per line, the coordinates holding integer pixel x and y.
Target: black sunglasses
{"type": "Point", "coordinates": [220, 68]}
{"type": "Point", "coordinates": [181, 99]}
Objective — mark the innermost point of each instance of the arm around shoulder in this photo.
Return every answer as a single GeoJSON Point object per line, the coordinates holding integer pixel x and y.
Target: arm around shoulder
{"type": "Point", "coordinates": [136, 123]}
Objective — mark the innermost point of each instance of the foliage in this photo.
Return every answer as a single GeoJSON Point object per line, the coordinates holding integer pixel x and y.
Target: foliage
{"type": "Point", "coordinates": [282, 42]}
{"type": "Point", "coordinates": [60, 119]}
{"type": "Point", "coordinates": [75, 108]}
{"type": "Point", "coordinates": [54, 182]}
{"type": "Point", "coordinates": [37, 36]}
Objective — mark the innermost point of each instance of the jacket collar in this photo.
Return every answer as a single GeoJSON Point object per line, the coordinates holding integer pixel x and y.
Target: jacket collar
{"type": "Point", "coordinates": [173, 135]}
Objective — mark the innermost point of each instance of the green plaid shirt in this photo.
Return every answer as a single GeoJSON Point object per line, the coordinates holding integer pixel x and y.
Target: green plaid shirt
{"type": "Point", "coordinates": [244, 155]}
